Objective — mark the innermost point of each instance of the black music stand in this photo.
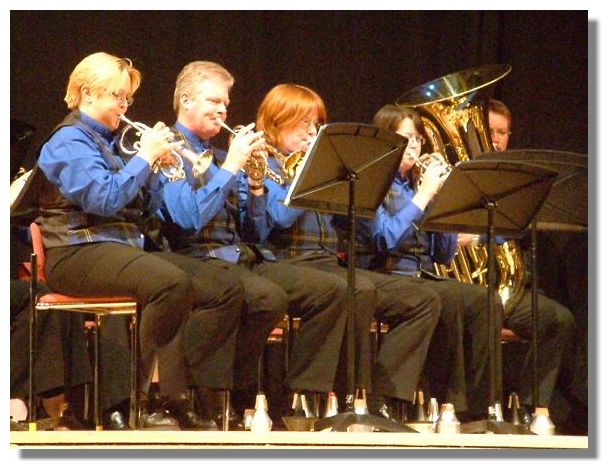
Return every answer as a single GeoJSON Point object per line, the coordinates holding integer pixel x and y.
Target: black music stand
{"type": "Point", "coordinates": [493, 198]}
{"type": "Point", "coordinates": [348, 171]}
{"type": "Point", "coordinates": [564, 209]}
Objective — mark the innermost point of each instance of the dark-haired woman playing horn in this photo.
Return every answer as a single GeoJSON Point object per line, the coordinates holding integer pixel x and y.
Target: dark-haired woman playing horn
{"type": "Point", "coordinates": [457, 366]}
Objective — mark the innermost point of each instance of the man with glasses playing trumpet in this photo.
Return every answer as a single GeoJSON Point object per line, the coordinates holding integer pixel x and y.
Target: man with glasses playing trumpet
{"type": "Point", "coordinates": [91, 208]}
{"type": "Point", "coordinates": [202, 216]}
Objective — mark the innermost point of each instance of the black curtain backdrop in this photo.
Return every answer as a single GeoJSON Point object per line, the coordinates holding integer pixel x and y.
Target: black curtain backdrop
{"type": "Point", "coordinates": [356, 60]}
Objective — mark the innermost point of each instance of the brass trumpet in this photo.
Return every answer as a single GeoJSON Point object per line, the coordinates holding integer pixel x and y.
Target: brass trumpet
{"type": "Point", "coordinates": [174, 170]}
{"type": "Point", "coordinates": [257, 164]}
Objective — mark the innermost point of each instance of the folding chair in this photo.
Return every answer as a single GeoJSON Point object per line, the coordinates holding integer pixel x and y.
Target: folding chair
{"type": "Point", "coordinates": [100, 307]}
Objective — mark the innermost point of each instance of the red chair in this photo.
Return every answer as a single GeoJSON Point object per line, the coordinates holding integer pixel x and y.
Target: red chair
{"type": "Point", "coordinates": [99, 307]}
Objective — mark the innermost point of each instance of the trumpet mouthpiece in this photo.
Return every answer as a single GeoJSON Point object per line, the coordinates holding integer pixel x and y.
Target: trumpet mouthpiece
{"type": "Point", "coordinates": [221, 122]}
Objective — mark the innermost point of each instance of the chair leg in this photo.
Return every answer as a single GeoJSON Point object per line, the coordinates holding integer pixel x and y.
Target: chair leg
{"type": "Point", "coordinates": [225, 410]}
{"type": "Point", "coordinates": [96, 366]}
{"type": "Point", "coordinates": [261, 373]}
{"type": "Point", "coordinates": [135, 381]}
{"type": "Point", "coordinates": [31, 413]}
{"type": "Point", "coordinates": [288, 339]}
{"type": "Point", "coordinates": [33, 327]}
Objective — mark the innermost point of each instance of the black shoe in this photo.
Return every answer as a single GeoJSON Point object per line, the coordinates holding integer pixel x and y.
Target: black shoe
{"type": "Point", "coordinates": [182, 411]}
{"type": "Point", "coordinates": [115, 420]}
{"type": "Point", "coordinates": [379, 407]}
{"type": "Point", "coordinates": [159, 420]}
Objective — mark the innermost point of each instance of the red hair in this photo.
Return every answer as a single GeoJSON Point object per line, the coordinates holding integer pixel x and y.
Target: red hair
{"type": "Point", "coordinates": [284, 106]}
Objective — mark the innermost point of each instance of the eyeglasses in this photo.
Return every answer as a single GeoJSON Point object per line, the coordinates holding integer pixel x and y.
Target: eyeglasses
{"type": "Point", "coordinates": [123, 98]}
{"type": "Point", "coordinates": [306, 123]}
{"type": "Point", "coordinates": [499, 132]}
{"type": "Point", "coordinates": [415, 139]}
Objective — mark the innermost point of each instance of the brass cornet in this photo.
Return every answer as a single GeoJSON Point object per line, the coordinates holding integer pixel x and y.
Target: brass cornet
{"type": "Point", "coordinates": [423, 162]}
{"type": "Point", "coordinates": [257, 165]}
{"type": "Point", "coordinates": [174, 170]}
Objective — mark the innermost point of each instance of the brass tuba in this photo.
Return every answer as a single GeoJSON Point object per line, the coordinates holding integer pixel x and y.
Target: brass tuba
{"type": "Point", "coordinates": [451, 109]}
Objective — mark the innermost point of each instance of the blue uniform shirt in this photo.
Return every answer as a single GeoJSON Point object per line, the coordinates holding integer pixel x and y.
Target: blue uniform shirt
{"type": "Point", "coordinates": [402, 246]}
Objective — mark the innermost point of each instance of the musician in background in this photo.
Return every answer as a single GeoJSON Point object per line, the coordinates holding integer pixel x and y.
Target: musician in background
{"type": "Point", "coordinates": [457, 366]}
{"type": "Point", "coordinates": [91, 206]}
{"type": "Point", "coordinates": [556, 323]}
{"type": "Point", "coordinates": [499, 121]}
{"type": "Point", "coordinates": [290, 116]}
{"type": "Point", "coordinates": [203, 220]}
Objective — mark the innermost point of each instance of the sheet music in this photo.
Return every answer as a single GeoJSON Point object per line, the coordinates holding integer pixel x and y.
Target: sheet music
{"type": "Point", "coordinates": [302, 165]}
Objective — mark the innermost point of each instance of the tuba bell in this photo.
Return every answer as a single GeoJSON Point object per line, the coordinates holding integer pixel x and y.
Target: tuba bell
{"type": "Point", "coordinates": [452, 111]}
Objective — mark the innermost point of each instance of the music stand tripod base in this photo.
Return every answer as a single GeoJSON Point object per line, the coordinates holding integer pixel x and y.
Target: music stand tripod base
{"type": "Point", "coordinates": [341, 422]}
{"type": "Point", "coordinates": [489, 426]}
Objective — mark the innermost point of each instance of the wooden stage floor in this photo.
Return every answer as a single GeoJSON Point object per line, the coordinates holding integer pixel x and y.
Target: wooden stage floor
{"type": "Point", "coordinates": [292, 440]}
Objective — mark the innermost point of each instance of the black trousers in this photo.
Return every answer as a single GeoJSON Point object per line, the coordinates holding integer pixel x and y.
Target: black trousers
{"type": "Point", "coordinates": [239, 337]}
{"type": "Point", "coordinates": [556, 328]}
{"type": "Point", "coordinates": [166, 292]}
{"type": "Point", "coordinates": [318, 299]}
{"type": "Point", "coordinates": [271, 290]}
{"type": "Point", "coordinates": [458, 367]}
{"type": "Point", "coordinates": [407, 306]}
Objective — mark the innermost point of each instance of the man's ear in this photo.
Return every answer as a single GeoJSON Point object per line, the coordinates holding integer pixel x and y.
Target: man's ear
{"type": "Point", "coordinates": [184, 101]}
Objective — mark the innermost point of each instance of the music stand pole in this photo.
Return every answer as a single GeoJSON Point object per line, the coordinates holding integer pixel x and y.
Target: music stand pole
{"type": "Point", "coordinates": [341, 422]}
{"type": "Point", "coordinates": [344, 158]}
{"type": "Point", "coordinates": [493, 348]}
{"type": "Point", "coordinates": [535, 391]}
{"type": "Point", "coordinates": [350, 292]}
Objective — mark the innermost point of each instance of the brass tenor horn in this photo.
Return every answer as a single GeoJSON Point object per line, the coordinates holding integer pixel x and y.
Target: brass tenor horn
{"type": "Point", "coordinates": [451, 108]}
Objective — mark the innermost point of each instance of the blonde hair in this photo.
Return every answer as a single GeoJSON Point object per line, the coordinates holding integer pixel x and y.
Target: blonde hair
{"type": "Point", "coordinates": [193, 74]}
{"type": "Point", "coordinates": [100, 72]}
{"type": "Point", "coordinates": [284, 106]}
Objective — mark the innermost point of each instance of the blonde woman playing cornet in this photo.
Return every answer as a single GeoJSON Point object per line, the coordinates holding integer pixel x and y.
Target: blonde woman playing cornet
{"type": "Point", "coordinates": [92, 208]}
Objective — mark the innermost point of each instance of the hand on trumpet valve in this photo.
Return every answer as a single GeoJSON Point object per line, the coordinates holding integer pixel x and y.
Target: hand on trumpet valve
{"type": "Point", "coordinates": [156, 143]}
{"type": "Point", "coordinates": [434, 176]}
{"type": "Point", "coordinates": [245, 141]}
{"type": "Point", "coordinates": [255, 167]}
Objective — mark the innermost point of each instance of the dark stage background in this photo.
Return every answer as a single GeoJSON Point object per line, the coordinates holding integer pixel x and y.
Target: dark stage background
{"type": "Point", "coordinates": [356, 60]}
